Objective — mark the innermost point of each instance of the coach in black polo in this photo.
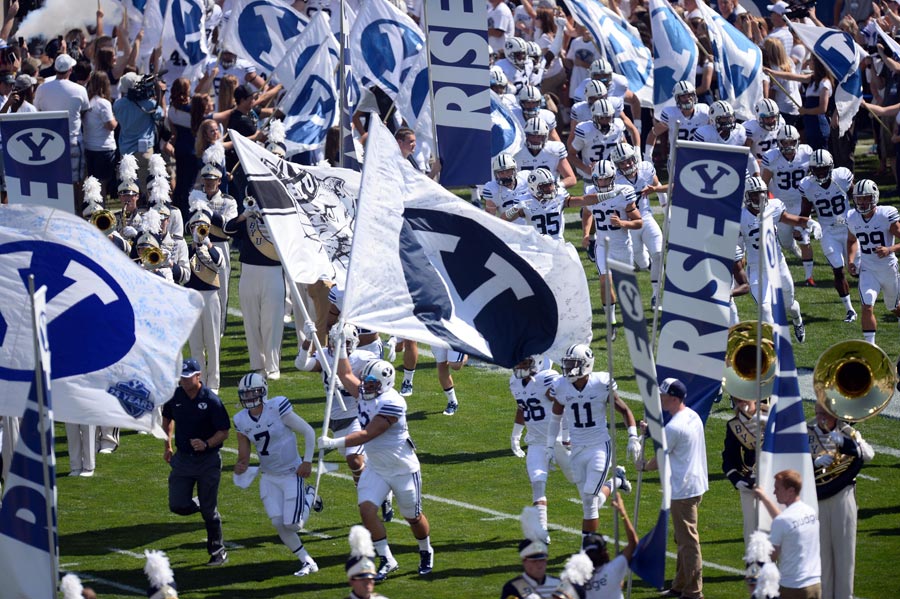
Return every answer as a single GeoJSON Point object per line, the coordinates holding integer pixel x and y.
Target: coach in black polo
{"type": "Point", "coordinates": [202, 427]}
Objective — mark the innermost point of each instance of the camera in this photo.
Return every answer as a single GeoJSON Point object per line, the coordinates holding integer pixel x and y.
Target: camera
{"type": "Point", "coordinates": [144, 89]}
{"type": "Point", "coordinates": [799, 9]}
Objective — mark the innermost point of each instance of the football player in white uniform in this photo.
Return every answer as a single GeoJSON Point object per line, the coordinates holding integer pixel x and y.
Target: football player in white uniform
{"type": "Point", "coordinates": [541, 152]}
{"type": "Point", "coordinates": [826, 189]}
{"type": "Point", "coordinates": [529, 385]}
{"type": "Point", "coordinates": [616, 85]}
{"type": "Point", "coordinates": [270, 424]}
{"type": "Point", "coordinates": [594, 139]}
{"type": "Point", "coordinates": [783, 167]}
{"type": "Point", "coordinates": [583, 395]}
{"type": "Point", "coordinates": [515, 64]}
{"type": "Point", "coordinates": [641, 177]}
{"type": "Point", "coordinates": [542, 206]}
{"type": "Point", "coordinates": [537, 65]}
{"type": "Point", "coordinates": [581, 111]}
{"type": "Point", "coordinates": [530, 107]}
{"type": "Point", "coordinates": [722, 129]}
{"type": "Point", "coordinates": [501, 193]}
{"type": "Point", "coordinates": [391, 462]}
{"type": "Point", "coordinates": [873, 231]}
{"type": "Point", "coordinates": [756, 207]}
{"type": "Point", "coordinates": [500, 86]}
{"type": "Point", "coordinates": [687, 113]}
{"type": "Point", "coordinates": [762, 132]}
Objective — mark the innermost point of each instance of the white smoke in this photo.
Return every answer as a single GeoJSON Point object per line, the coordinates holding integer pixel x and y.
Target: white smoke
{"type": "Point", "coordinates": [57, 17]}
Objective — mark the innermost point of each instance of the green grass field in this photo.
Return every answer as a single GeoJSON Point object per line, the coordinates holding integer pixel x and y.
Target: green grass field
{"type": "Point", "coordinates": [474, 489]}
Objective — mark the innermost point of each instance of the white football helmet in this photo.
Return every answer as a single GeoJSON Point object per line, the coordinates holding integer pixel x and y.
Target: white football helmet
{"type": "Point", "coordinates": [788, 139]}
{"type": "Point", "coordinates": [601, 70]}
{"type": "Point", "coordinates": [767, 114]}
{"type": "Point", "coordinates": [505, 170]}
{"type": "Point", "coordinates": [252, 390]}
{"type": "Point", "coordinates": [536, 132]}
{"type": "Point", "coordinates": [516, 50]}
{"type": "Point", "coordinates": [602, 113]}
{"type": "Point", "coordinates": [685, 95]}
{"type": "Point", "coordinates": [578, 362]}
{"type": "Point", "coordinates": [603, 175]}
{"type": "Point", "coordinates": [534, 52]}
{"type": "Point", "coordinates": [377, 377]}
{"type": "Point", "coordinates": [594, 90]}
{"type": "Point", "coordinates": [625, 158]}
{"type": "Point", "coordinates": [755, 193]}
{"type": "Point", "coordinates": [351, 336]}
{"type": "Point", "coordinates": [721, 115]}
{"type": "Point", "coordinates": [499, 79]}
{"type": "Point", "coordinates": [865, 196]}
{"type": "Point", "coordinates": [530, 101]}
{"type": "Point", "coordinates": [820, 166]}
{"type": "Point", "coordinates": [528, 367]}
{"type": "Point", "coordinates": [542, 184]}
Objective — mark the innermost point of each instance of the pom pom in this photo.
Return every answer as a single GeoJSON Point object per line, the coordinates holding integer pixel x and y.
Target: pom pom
{"type": "Point", "coordinates": [360, 542]}
{"type": "Point", "coordinates": [579, 569]}
{"type": "Point", "coordinates": [531, 524]}
{"type": "Point", "coordinates": [151, 222]}
{"type": "Point", "coordinates": [128, 168]}
{"type": "Point", "coordinates": [277, 132]}
{"type": "Point", "coordinates": [159, 572]}
{"type": "Point", "coordinates": [767, 582]}
{"type": "Point", "coordinates": [157, 167]}
{"type": "Point", "coordinates": [71, 587]}
{"type": "Point", "coordinates": [92, 193]}
{"type": "Point", "coordinates": [159, 191]}
{"type": "Point", "coordinates": [759, 548]}
{"type": "Point", "coordinates": [214, 154]}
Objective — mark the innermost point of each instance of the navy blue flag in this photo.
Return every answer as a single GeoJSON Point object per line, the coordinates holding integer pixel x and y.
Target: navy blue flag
{"type": "Point", "coordinates": [703, 229]}
{"type": "Point", "coordinates": [36, 157]}
{"type": "Point", "coordinates": [649, 558]}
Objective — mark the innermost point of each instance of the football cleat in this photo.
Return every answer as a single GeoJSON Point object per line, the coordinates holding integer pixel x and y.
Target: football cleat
{"type": "Point", "coordinates": [426, 562]}
{"type": "Point", "coordinates": [318, 505]}
{"type": "Point", "coordinates": [218, 558]}
{"type": "Point", "coordinates": [387, 510]}
{"type": "Point", "coordinates": [614, 333]}
{"type": "Point", "coordinates": [851, 316]}
{"type": "Point", "coordinates": [406, 388]}
{"type": "Point", "coordinates": [386, 567]}
{"type": "Point", "coordinates": [621, 482]}
{"type": "Point", "coordinates": [451, 408]}
{"type": "Point", "coordinates": [591, 250]}
{"type": "Point", "coordinates": [308, 567]}
{"type": "Point", "coordinates": [810, 282]}
{"type": "Point", "coordinates": [800, 332]}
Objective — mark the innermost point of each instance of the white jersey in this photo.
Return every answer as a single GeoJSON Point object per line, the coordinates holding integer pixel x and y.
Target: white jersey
{"type": "Point", "coordinates": [606, 583]}
{"type": "Point", "coordinates": [686, 124]}
{"type": "Point", "coordinates": [531, 396]}
{"type": "Point", "coordinates": [787, 174]}
{"type": "Point", "coordinates": [585, 410]}
{"type": "Point", "coordinates": [504, 197]}
{"type": "Point", "coordinates": [602, 211]}
{"type": "Point", "coordinates": [581, 111]}
{"type": "Point", "coordinates": [276, 444]}
{"type": "Point", "coordinates": [830, 203]}
{"type": "Point", "coordinates": [644, 176]}
{"type": "Point", "coordinates": [710, 134]}
{"type": "Point", "coordinates": [549, 157]}
{"type": "Point", "coordinates": [517, 77]}
{"type": "Point", "coordinates": [592, 144]}
{"type": "Point", "coordinates": [544, 114]}
{"type": "Point", "coordinates": [358, 360]}
{"type": "Point", "coordinates": [616, 88]}
{"type": "Point", "coordinates": [391, 453]}
{"type": "Point", "coordinates": [750, 229]}
{"type": "Point", "coordinates": [873, 233]}
{"type": "Point", "coordinates": [546, 217]}
{"type": "Point", "coordinates": [762, 140]}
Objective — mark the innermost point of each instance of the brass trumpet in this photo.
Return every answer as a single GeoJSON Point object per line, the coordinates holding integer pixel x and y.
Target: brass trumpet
{"type": "Point", "coordinates": [104, 220]}
{"type": "Point", "coordinates": [739, 379]}
{"type": "Point", "coordinates": [202, 231]}
{"type": "Point", "coordinates": [250, 203]}
{"type": "Point", "coordinates": [153, 258]}
{"type": "Point", "coordinates": [854, 380]}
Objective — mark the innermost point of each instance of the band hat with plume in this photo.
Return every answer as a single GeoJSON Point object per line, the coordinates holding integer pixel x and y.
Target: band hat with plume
{"type": "Point", "coordinates": [71, 587]}
{"type": "Point", "coordinates": [197, 202]}
{"type": "Point", "coordinates": [533, 547]}
{"type": "Point", "coordinates": [214, 154]}
{"type": "Point", "coordinates": [276, 137]}
{"type": "Point", "coordinates": [150, 226]}
{"type": "Point", "coordinates": [128, 168]}
{"type": "Point", "coordinates": [578, 570]}
{"type": "Point", "coordinates": [362, 553]}
{"type": "Point", "coordinates": [93, 196]}
{"type": "Point", "coordinates": [761, 572]}
{"type": "Point", "coordinates": [158, 187]}
{"type": "Point", "coordinates": [160, 575]}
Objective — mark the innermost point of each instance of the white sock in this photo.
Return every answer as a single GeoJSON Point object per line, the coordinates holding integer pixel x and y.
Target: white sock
{"type": "Point", "coordinates": [795, 313]}
{"type": "Point", "coordinates": [808, 268]}
{"type": "Point", "coordinates": [383, 549]}
{"type": "Point", "coordinates": [846, 301]}
{"type": "Point", "coordinates": [612, 314]}
{"type": "Point", "coordinates": [869, 336]}
{"type": "Point", "coordinates": [451, 395]}
{"type": "Point", "coordinates": [425, 544]}
{"type": "Point", "coordinates": [408, 375]}
{"type": "Point", "coordinates": [655, 285]}
{"type": "Point", "coordinates": [542, 514]}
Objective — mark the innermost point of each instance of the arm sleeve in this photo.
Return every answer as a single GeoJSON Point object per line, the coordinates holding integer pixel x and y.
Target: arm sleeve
{"type": "Point", "coordinates": [299, 425]}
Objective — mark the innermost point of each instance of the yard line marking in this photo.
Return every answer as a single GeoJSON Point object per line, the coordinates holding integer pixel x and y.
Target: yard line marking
{"type": "Point", "coordinates": [110, 583]}
{"type": "Point", "coordinates": [867, 477]}
{"type": "Point", "coordinates": [318, 535]}
{"type": "Point", "coordinates": [126, 552]}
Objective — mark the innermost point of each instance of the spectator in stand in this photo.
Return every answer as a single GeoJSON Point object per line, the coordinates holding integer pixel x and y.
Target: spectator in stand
{"type": "Point", "coordinates": [816, 99]}
{"type": "Point", "coordinates": [137, 116]}
{"type": "Point", "coordinates": [99, 136]}
{"type": "Point", "coordinates": [775, 58]}
{"type": "Point", "coordinates": [500, 24]}
{"type": "Point", "coordinates": [179, 119]}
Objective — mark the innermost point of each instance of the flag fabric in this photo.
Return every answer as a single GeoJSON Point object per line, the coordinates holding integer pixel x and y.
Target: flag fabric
{"type": "Point", "coordinates": [703, 229]}
{"type": "Point", "coordinates": [36, 158]}
{"type": "Point", "coordinates": [184, 31]}
{"type": "Point", "coordinates": [738, 63]}
{"type": "Point", "coordinates": [152, 23]}
{"type": "Point", "coordinates": [786, 442]}
{"type": "Point", "coordinates": [621, 43]}
{"type": "Point", "coordinates": [303, 47]}
{"type": "Point", "coordinates": [296, 205]}
{"type": "Point", "coordinates": [29, 547]}
{"type": "Point", "coordinates": [458, 48]}
{"type": "Point", "coordinates": [841, 55]}
{"type": "Point", "coordinates": [649, 560]}
{"type": "Point", "coordinates": [350, 154]}
{"type": "Point", "coordinates": [261, 31]}
{"type": "Point", "coordinates": [310, 105]}
{"type": "Point", "coordinates": [506, 132]}
{"type": "Point", "coordinates": [388, 49]}
{"type": "Point", "coordinates": [428, 266]}
{"type": "Point", "coordinates": [116, 330]}
{"type": "Point", "coordinates": [674, 53]}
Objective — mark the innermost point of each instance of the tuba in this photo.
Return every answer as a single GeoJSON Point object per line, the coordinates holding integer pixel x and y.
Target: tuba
{"type": "Point", "coordinates": [739, 379]}
{"type": "Point", "coordinates": [153, 258]}
{"type": "Point", "coordinates": [104, 220]}
{"type": "Point", "coordinates": [854, 380]}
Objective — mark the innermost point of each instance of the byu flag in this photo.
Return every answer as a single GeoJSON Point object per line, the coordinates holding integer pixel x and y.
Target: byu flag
{"type": "Point", "coordinates": [430, 267]}
{"type": "Point", "coordinates": [841, 55]}
{"type": "Point", "coordinates": [350, 153]}
{"type": "Point", "coordinates": [36, 157]}
{"type": "Point", "coordinates": [310, 105]}
{"type": "Point", "coordinates": [621, 44]}
{"type": "Point", "coordinates": [116, 329]}
{"type": "Point", "coordinates": [184, 31]}
{"type": "Point", "coordinates": [506, 132]}
{"type": "Point", "coordinates": [28, 534]}
{"type": "Point", "coordinates": [707, 196]}
{"type": "Point", "coordinates": [262, 30]}
{"type": "Point", "coordinates": [649, 561]}
{"type": "Point", "coordinates": [786, 440]}
{"type": "Point", "coordinates": [674, 53]}
{"type": "Point", "coordinates": [317, 33]}
{"type": "Point", "coordinates": [287, 194]}
{"type": "Point", "coordinates": [738, 64]}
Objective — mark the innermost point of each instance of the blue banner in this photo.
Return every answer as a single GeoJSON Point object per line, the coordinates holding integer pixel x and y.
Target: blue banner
{"type": "Point", "coordinates": [37, 160]}
{"type": "Point", "coordinates": [702, 234]}
{"type": "Point", "coordinates": [261, 31]}
{"type": "Point", "coordinates": [457, 42]}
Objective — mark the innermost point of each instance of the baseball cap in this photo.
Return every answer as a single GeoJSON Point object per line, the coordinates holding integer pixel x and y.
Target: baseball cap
{"type": "Point", "coordinates": [210, 171]}
{"type": "Point", "coordinates": [189, 367]}
{"type": "Point", "coordinates": [64, 63]}
{"type": "Point", "coordinates": [25, 81]}
{"type": "Point", "coordinates": [778, 8]}
{"type": "Point", "coordinates": [674, 387]}
{"type": "Point", "coordinates": [7, 78]}
{"type": "Point", "coordinates": [243, 92]}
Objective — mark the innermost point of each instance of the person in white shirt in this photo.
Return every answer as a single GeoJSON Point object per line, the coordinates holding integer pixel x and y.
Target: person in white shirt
{"type": "Point", "coordinates": [689, 480]}
{"type": "Point", "coordinates": [606, 582]}
{"type": "Point", "coordinates": [99, 136]}
{"type": "Point", "coordinates": [780, 30]}
{"type": "Point", "coordinates": [500, 24]}
{"type": "Point", "coordinates": [795, 537]}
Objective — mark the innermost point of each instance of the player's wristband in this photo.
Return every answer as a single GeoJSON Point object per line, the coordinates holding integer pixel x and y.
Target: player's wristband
{"type": "Point", "coordinates": [632, 431]}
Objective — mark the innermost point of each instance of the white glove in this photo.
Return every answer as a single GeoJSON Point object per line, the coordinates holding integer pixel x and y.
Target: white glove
{"type": "Point", "coordinates": [634, 450]}
{"type": "Point", "coordinates": [742, 484]}
{"type": "Point", "coordinates": [663, 198]}
{"type": "Point", "coordinates": [326, 442]}
{"type": "Point", "coordinates": [837, 438]}
{"type": "Point", "coordinates": [513, 211]}
{"type": "Point", "coordinates": [865, 450]}
{"type": "Point", "coordinates": [196, 237]}
{"type": "Point", "coordinates": [309, 329]}
{"type": "Point", "coordinates": [648, 153]}
{"type": "Point", "coordinates": [390, 349]}
{"type": "Point", "coordinates": [814, 228]}
{"type": "Point", "coordinates": [824, 460]}
{"type": "Point", "coordinates": [515, 440]}
{"type": "Point", "coordinates": [129, 232]}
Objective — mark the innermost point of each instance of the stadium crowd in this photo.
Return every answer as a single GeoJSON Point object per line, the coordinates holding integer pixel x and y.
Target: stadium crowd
{"type": "Point", "coordinates": [156, 171]}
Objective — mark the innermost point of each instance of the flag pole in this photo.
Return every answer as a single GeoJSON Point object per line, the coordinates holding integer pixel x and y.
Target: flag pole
{"type": "Point", "coordinates": [665, 231]}
{"type": "Point", "coordinates": [342, 75]}
{"type": "Point", "coordinates": [610, 402]}
{"type": "Point", "coordinates": [329, 397]}
{"type": "Point", "coordinates": [43, 425]}
{"type": "Point", "coordinates": [763, 276]}
{"type": "Point", "coordinates": [434, 139]}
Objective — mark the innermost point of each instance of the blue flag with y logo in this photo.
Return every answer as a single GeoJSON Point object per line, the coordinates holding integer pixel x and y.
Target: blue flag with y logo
{"type": "Point", "coordinates": [261, 31]}
{"type": "Point", "coordinates": [36, 158]}
{"type": "Point", "coordinates": [506, 132]}
{"type": "Point", "coordinates": [674, 52]}
{"type": "Point", "coordinates": [311, 104]}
